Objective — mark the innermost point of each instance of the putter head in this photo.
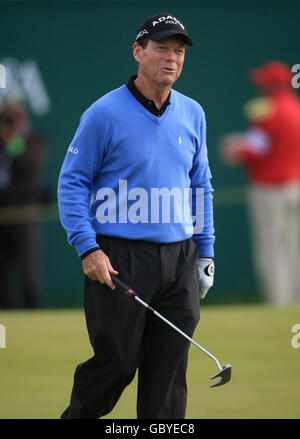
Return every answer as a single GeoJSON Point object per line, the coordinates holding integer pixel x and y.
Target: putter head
{"type": "Point", "coordinates": [225, 375]}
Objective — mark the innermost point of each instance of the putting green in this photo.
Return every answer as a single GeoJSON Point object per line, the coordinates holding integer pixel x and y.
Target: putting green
{"type": "Point", "coordinates": [43, 348]}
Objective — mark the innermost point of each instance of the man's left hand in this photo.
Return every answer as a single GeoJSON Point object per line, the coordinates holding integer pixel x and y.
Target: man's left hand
{"type": "Point", "coordinates": [206, 270]}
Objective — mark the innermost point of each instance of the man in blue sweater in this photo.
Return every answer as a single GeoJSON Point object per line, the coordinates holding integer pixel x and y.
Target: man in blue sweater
{"type": "Point", "coordinates": [136, 200]}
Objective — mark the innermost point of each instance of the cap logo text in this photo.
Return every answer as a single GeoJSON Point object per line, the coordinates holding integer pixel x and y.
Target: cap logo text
{"type": "Point", "coordinates": [143, 32]}
{"type": "Point", "coordinates": [169, 20]}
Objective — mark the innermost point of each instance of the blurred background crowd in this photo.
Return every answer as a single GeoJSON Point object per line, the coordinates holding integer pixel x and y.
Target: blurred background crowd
{"type": "Point", "coordinates": [269, 152]}
{"type": "Point", "coordinates": [241, 70]}
{"type": "Point", "coordinates": [23, 194]}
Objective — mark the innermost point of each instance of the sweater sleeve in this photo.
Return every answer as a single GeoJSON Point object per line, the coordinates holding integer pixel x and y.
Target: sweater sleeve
{"type": "Point", "coordinates": [202, 196]}
{"type": "Point", "coordinates": [82, 162]}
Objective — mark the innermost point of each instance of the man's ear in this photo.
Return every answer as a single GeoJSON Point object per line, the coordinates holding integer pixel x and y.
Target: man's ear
{"type": "Point", "coordinates": [137, 51]}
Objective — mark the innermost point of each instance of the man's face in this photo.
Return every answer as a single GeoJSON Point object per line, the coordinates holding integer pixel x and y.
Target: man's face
{"type": "Point", "coordinates": [161, 61]}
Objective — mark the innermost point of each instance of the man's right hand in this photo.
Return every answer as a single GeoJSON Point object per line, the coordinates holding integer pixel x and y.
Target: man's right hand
{"type": "Point", "coordinates": [97, 266]}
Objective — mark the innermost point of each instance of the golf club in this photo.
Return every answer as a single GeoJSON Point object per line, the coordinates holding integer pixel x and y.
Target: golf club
{"type": "Point", "coordinates": [224, 373]}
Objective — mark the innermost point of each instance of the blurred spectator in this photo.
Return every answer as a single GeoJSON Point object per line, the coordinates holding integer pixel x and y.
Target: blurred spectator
{"type": "Point", "coordinates": [22, 156]}
{"type": "Point", "coordinates": [270, 153]}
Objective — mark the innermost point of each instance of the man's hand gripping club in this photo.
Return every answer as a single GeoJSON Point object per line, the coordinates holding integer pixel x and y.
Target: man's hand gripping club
{"type": "Point", "coordinates": [97, 266]}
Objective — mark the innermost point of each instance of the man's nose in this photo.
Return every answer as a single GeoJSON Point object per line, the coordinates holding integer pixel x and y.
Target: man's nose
{"type": "Point", "coordinates": [171, 55]}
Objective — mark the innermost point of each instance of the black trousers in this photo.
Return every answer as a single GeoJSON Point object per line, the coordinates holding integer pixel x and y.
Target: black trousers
{"type": "Point", "coordinates": [126, 337]}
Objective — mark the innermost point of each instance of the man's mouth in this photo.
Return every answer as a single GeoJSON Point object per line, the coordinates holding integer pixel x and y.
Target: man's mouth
{"type": "Point", "coordinates": [168, 69]}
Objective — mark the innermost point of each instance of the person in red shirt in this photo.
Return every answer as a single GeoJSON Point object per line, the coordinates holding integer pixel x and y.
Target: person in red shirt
{"type": "Point", "coordinates": [269, 151]}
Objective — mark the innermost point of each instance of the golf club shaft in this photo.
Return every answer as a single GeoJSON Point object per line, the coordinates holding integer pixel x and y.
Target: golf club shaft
{"type": "Point", "coordinates": [129, 292]}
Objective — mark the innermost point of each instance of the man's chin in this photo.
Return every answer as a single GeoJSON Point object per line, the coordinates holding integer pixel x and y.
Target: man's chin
{"type": "Point", "coordinates": [168, 80]}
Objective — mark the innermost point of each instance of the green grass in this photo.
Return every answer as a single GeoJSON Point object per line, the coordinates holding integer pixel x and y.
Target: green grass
{"type": "Point", "coordinates": [43, 348]}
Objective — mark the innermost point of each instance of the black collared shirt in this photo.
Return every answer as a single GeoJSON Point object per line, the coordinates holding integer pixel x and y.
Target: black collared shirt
{"type": "Point", "coordinates": [147, 103]}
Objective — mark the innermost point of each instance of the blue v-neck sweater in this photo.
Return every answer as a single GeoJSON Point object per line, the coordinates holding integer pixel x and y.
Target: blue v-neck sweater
{"type": "Point", "coordinates": [130, 174]}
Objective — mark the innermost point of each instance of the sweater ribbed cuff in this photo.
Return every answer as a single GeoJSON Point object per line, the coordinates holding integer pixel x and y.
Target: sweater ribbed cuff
{"type": "Point", "coordinates": [92, 250]}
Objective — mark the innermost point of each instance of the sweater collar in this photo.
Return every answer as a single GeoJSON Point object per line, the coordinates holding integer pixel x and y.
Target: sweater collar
{"type": "Point", "coordinates": [147, 103]}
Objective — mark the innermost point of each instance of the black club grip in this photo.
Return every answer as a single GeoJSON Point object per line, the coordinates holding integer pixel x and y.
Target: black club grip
{"type": "Point", "coordinates": [123, 287]}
